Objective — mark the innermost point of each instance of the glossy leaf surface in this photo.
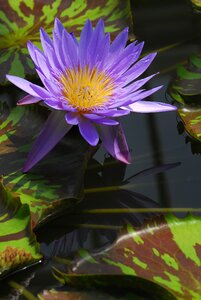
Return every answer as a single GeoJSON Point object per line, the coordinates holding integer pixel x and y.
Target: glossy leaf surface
{"type": "Point", "coordinates": [18, 246]}
{"type": "Point", "coordinates": [20, 21]}
{"type": "Point", "coordinates": [186, 89]}
{"type": "Point", "coordinates": [114, 293]}
{"type": "Point", "coordinates": [192, 121]}
{"type": "Point", "coordinates": [57, 181]}
{"type": "Point", "coordinates": [165, 250]}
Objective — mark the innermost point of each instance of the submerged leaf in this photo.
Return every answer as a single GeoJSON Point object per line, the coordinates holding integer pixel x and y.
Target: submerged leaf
{"type": "Point", "coordinates": [18, 246]}
{"type": "Point", "coordinates": [56, 182]}
{"type": "Point", "coordinates": [166, 251]}
{"type": "Point", "coordinates": [21, 21]}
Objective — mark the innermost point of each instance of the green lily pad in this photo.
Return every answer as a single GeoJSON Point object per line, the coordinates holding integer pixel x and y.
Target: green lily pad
{"type": "Point", "coordinates": [196, 3]}
{"type": "Point", "coordinates": [191, 119]}
{"type": "Point", "coordinates": [20, 21]}
{"type": "Point", "coordinates": [18, 246]}
{"type": "Point", "coordinates": [187, 82]}
{"type": "Point", "coordinates": [186, 90]}
{"type": "Point", "coordinates": [57, 181]}
{"type": "Point", "coordinates": [165, 251]}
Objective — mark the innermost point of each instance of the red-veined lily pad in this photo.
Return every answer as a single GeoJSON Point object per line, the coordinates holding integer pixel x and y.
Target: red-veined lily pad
{"type": "Point", "coordinates": [165, 250]}
{"type": "Point", "coordinates": [57, 181]}
{"type": "Point", "coordinates": [186, 89]}
{"type": "Point", "coordinates": [20, 21]}
{"type": "Point", "coordinates": [191, 119]}
{"type": "Point", "coordinates": [18, 246]}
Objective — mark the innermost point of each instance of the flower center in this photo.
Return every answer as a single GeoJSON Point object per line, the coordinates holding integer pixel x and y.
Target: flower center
{"type": "Point", "coordinates": [86, 89]}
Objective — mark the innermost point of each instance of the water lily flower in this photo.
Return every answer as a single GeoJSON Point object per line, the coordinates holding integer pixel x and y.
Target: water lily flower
{"type": "Point", "coordinates": [90, 83]}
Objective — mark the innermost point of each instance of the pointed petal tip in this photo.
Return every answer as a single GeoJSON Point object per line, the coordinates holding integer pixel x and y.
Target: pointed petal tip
{"type": "Point", "coordinates": [9, 77]}
{"type": "Point", "coordinates": [25, 169]}
{"type": "Point", "coordinates": [29, 43]}
{"type": "Point", "coordinates": [28, 100]}
{"type": "Point", "coordinates": [57, 22]}
{"type": "Point", "coordinates": [125, 160]}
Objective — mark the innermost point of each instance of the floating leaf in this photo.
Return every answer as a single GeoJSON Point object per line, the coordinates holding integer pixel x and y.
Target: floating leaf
{"type": "Point", "coordinates": [197, 4]}
{"type": "Point", "coordinates": [186, 89]}
{"type": "Point", "coordinates": [58, 180]}
{"type": "Point", "coordinates": [21, 20]}
{"type": "Point", "coordinates": [18, 246]}
{"type": "Point", "coordinates": [166, 251]}
{"type": "Point", "coordinates": [187, 82]}
{"type": "Point", "coordinates": [113, 294]}
{"type": "Point", "coordinates": [192, 121]}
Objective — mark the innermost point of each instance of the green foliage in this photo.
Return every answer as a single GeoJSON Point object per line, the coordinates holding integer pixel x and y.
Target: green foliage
{"type": "Point", "coordinates": [55, 183]}
{"type": "Point", "coordinates": [21, 20]}
{"type": "Point", "coordinates": [108, 287]}
{"type": "Point", "coordinates": [186, 89]}
{"type": "Point", "coordinates": [165, 250]}
{"type": "Point", "coordinates": [18, 246]}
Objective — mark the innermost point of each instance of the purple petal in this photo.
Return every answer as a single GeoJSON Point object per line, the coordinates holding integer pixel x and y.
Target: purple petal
{"type": "Point", "coordinates": [95, 43]}
{"type": "Point", "coordinates": [72, 118]}
{"type": "Point", "coordinates": [88, 131]}
{"type": "Point", "coordinates": [120, 42]}
{"type": "Point", "coordinates": [23, 84]}
{"type": "Point", "coordinates": [51, 58]}
{"type": "Point", "coordinates": [45, 41]}
{"type": "Point", "coordinates": [67, 107]}
{"type": "Point", "coordinates": [40, 91]}
{"type": "Point", "coordinates": [136, 70]}
{"type": "Point", "coordinates": [85, 38]}
{"type": "Point", "coordinates": [138, 84]}
{"type": "Point", "coordinates": [53, 131]}
{"type": "Point", "coordinates": [101, 58]}
{"type": "Point", "coordinates": [50, 85]}
{"type": "Point", "coordinates": [113, 113]}
{"type": "Point", "coordinates": [92, 116]}
{"type": "Point", "coordinates": [57, 38]}
{"type": "Point", "coordinates": [31, 50]}
{"type": "Point", "coordinates": [74, 39]}
{"type": "Point", "coordinates": [114, 141]}
{"type": "Point", "coordinates": [151, 107]}
{"type": "Point", "coordinates": [39, 59]}
{"type": "Point", "coordinates": [28, 100]}
{"type": "Point", "coordinates": [128, 57]}
{"type": "Point", "coordinates": [70, 50]}
{"type": "Point", "coordinates": [100, 119]}
{"type": "Point", "coordinates": [54, 103]}
{"type": "Point", "coordinates": [58, 28]}
{"type": "Point", "coordinates": [131, 98]}
{"type": "Point", "coordinates": [106, 121]}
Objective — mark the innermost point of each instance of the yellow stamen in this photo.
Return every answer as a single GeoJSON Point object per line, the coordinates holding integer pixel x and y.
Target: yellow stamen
{"type": "Point", "coordinates": [86, 89]}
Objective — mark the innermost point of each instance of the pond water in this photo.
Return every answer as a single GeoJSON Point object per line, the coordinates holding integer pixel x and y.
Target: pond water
{"type": "Point", "coordinates": [156, 143]}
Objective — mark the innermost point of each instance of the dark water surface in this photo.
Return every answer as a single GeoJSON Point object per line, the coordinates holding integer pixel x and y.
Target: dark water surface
{"type": "Point", "coordinates": [153, 139]}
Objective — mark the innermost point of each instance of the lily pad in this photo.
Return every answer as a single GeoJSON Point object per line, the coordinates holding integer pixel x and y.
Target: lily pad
{"type": "Point", "coordinates": [57, 181]}
{"type": "Point", "coordinates": [187, 82]}
{"type": "Point", "coordinates": [196, 3]}
{"type": "Point", "coordinates": [113, 294]}
{"type": "Point", "coordinates": [18, 246]}
{"type": "Point", "coordinates": [191, 119]}
{"type": "Point", "coordinates": [20, 21]}
{"type": "Point", "coordinates": [165, 250]}
{"type": "Point", "coordinates": [186, 89]}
